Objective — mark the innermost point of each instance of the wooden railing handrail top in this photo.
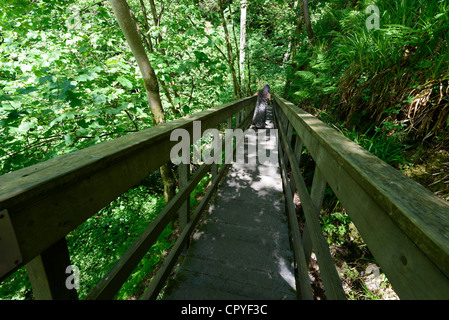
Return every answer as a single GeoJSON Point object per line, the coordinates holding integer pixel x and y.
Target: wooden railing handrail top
{"type": "Point", "coordinates": [14, 184]}
{"type": "Point", "coordinates": [423, 216]}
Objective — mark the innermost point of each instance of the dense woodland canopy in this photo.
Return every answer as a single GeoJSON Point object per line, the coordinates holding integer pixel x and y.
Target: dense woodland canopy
{"type": "Point", "coordinates": [68, 80]}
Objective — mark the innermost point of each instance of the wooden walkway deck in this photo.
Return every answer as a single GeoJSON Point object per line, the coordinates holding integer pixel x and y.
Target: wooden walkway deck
{"type": "Point", "coordinates": [241, 250]}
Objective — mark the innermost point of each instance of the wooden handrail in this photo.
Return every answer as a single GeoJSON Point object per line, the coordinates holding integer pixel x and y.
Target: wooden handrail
{"type": "Point", "coordinates": [405, 226]}
{"type": "Point", "coordinates": [44, 202]}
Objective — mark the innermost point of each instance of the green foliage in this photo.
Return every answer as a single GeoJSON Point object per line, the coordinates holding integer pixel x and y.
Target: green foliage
{"type": "Point", "coordinates": [99, 242]}
{"type": "Point", "coordinates": [69, 81]}
{"type": "Point", "coordinates": [63, 89]}
{"type": "Point", "coordinates": [388, 148]}
{"type": "Point", "coordinates": [366, 73]}
{"type": "Point", "coordinates": [335, 227]}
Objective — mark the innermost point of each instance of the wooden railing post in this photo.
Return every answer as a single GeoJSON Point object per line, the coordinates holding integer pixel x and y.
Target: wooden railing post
{"type": "Point", "coordinates": [184, 210]}
{"type": "Point", "coordinates": [289, 132]}
{"type": "Point", "coordinates": [214, 167]}
{"type": "Point", "coordinates": [48, 274]}
{"type": "Point", "coordinates": [317, 196]}
{"type": "Point", "coordinates": [297, 154]}
{"type": "Point", "coordinates": [237, 119]}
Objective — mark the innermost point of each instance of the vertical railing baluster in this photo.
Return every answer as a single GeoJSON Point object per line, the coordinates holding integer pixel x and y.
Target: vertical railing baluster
{"type": "Point", "coordinates": [50, 277]}
{"type": "Point", "coordinates": [317, 195]}
{"type": "Point", "coordinates": [184, 211]}
{"type": "Point", "coordinates": [214, 166]}
{"type": "Point", "coordinates": [289, 132]}
{"type": "Point", "coordinates": [297, 154]}
{"type": "Point", "coordinates": [237, 119]}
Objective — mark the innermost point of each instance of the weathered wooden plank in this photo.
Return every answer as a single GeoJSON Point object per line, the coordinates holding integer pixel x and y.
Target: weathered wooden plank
{"type": "Point", "coordinates": [184, 211]}
{"type": "Point", "coordinates": [159, 280]}
{"type": "Point", "coordinates": [405, 226]}
{"type": "Point", "coordinates": [75, 186]}
{"type": "Point", "coordinates": [329, 274]}
{"type": "Point", "coordinates": [316, 195]}
{"type": "Point", "coordinates": [10, 252]}
{"type": "Point", "coordinates": [47, 274]}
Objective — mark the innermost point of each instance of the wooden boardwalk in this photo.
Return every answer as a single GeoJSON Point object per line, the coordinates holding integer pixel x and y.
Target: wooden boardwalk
{"type": "Point", "coordinates": [241, 250]}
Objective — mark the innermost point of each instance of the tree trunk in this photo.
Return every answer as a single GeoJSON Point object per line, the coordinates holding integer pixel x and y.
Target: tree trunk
{"type": "Point", "coordinates": [237, 93]}
{"type": "Point", "coordinates": [235, 43]}
{"type": "Point", "coordinates": [156, 20]}
{"type": "Point", "coordinates": [305, 6]}
{"type": "Point", "coordinates": [293, 45]}
{"type": "Point", "coordinates": [128, 27]}
{"type": "Point", "coordinates": [292, 41]}
{"type": "Point", "coordinates": [243, 7]}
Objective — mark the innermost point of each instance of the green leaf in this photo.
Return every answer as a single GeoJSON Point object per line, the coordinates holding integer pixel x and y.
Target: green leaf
{"type": "Point", "coordinates": [201, 56]}
{"type": "Point", "coordinates": [26, 90]}
{"type": "Point", "coordinates": [25, 126]}
{"type": "Point", "coordinates": [83, 77]}
{"type": "Point", "coordinates": [69, 138]}
{"type": "Point", "coordinates": [46, 78]}
{"type": "Point", "coordinates": [125, 82]}
{"type": "Point", "coordinates": [82, 132]}
{"type": "Point", "coordinates": [95, 113]}
{"type": "Point", "coordinates": [68, 115]}
{"type": "Point", "coordinates": [409, 99]}
{"type": "Point", "coordinates": [16, 104]}
{"type": "Point", "coordinates": [182, 68]}
{"type": "Point", "coordinates": [83, 124]}
{"type": "Point", "coordinates": [99, 99]}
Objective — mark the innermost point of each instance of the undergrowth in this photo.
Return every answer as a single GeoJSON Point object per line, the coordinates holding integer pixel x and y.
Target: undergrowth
{"type": "Point", "coordinates": [97, 244]}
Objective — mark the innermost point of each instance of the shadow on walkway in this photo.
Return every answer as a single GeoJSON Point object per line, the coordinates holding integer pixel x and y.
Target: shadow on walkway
{"type": "Point", "coordinates": [241, 250]}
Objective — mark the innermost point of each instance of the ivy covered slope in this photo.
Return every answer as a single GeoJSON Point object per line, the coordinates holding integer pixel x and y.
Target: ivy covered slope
{"type": "Point", "coordinates": [387, 85]}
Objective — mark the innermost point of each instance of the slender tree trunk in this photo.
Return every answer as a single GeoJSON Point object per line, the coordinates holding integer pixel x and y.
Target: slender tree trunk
{"type": "Point", "coordinates": [249, 70]}
{"type": "Point", "coordinates": [235, 44]}
{"type": "Point", "coordinates": [237, 93]}
{"type": "Point", "coordinates": [292, 40]}
{"type": "Point", "coordinates": [243, 8]}
{"type": "Point", "coordinates": [293, 45]}
{"type": "Point", "coordinates": [128, 27]}
{"type": "Point", "coordinates": [305, 6]}
{"type": "Point", "coordinates": [156, 20]}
